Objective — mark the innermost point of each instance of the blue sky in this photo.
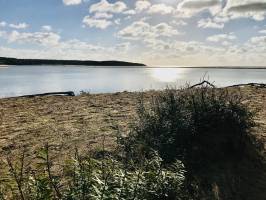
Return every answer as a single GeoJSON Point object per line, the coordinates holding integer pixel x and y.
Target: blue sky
{"type": "Point", "coordinates": [156, 32]}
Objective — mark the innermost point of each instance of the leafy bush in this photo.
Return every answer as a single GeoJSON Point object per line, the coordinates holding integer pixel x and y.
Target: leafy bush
{"type": "Point", "coordinates": [90, 178]}
{"type": "Point", "coordinates": [195, 125]}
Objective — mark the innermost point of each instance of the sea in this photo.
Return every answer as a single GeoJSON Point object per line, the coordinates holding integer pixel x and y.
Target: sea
{"type": "Point", "coordinates": [27, 80]}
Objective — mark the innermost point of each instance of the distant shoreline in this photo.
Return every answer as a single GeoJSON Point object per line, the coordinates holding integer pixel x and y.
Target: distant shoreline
{"type": "Point", "coordinates": [144, 67]}
{"type": "Point", "coordinates": [5, 62]}
{"type": "Point", "coordinates": [214, 67]}
{"type": "Point", "coordinates": [15, 61]}
{"type": "Point", "coordinates": [147, 67]}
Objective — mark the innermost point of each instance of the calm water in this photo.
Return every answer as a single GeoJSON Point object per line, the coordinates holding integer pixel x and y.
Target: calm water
{"type": "Point", "coordinates": [22, 80]}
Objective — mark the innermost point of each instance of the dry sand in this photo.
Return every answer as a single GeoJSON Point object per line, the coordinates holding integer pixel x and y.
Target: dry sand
{"type": "Point", "coordinates": [82, 120]}
{"type": "Point", "coordinates": [64, 122]}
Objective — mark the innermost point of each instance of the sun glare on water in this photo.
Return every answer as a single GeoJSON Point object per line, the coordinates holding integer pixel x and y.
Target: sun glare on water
{"type": "Point", "coordinates": [167, 75]}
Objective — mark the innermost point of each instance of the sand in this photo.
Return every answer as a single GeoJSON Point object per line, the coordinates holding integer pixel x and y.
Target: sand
{"type": "Point", "coordinates": [83, 120]}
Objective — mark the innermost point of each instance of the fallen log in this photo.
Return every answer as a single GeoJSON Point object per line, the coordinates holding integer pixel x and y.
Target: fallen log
{"type": "Point", "coordinates": [69, 93]}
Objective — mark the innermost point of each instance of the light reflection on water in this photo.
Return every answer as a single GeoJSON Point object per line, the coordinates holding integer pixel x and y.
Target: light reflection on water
{"type": "Point", "coordinates": [168, 75]}
{"type": "Point", "coordinates": [21, 80]}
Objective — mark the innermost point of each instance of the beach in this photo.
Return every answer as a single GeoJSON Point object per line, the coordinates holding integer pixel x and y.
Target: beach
{"type": "Point", "coordinates": [83, 120]}
{"type": "Point", "coordinates": [87, 120]}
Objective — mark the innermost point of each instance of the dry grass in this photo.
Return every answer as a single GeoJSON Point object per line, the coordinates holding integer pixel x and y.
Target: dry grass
{"type": "Point", "coordinates": [63, 121]}
{"type": "Point", "coordinates": [83, 120]}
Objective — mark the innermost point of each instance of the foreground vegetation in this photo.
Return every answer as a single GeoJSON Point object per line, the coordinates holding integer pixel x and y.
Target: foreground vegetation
{"type": "Point", "coordinates": [90, 178]}
{"type": "Point", "coordinates": [178, 137]}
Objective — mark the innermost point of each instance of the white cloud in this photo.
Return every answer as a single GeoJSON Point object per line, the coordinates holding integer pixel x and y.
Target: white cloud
{"type": "Point", "coordinates": [2, 33]}
{"type": "Point", "coordinates": [76, 44]}
{"type": "Point", "coordinates": [188, 8]}
{"type": "Point", "coordinates": [130, 12]}
{"type": "Point", "coordinates": [103, 15]}
{"type": "Point", "coordinates": [255, 9]}
{"type": "Point", "coordinates": [179, 23]}
{"type": "Point", "coordinates": [157, 36]}
{"type": "Point", "coordinates": [142, 5]}
{"type": "Point", "coordinates": [41, 38]}
{"type": "Point", "coordinates": [160, 9]}
{"type": "Point", "coordinates": [105, 6]}
{"type": "Point", "coordinates": [163, 29]}
{"type": "Point", "coordinates": [97, 23]}
{"type": "Point", "coordinates": [228, 9]}
{"type": "Point", "coordinates": [260, 40]}
{"type": "Point", "coordinates": [141, 30]}
{"type": "Point", "coordinates": [182, 52]}
{"type": "Point", "coordinates": [195, 53]}
{"type": "Point", "coordinates": [226, 43]}
{"type": "Point", "coordinates": [19, 26]}
{"type": "Point", "coordinates": [209, 23]}
{"type": "Point", "coordinates": [117, 21]}
{"type": "Point", "coordinates": [221, 19]}
{"type": "Point", "coordinates": [262, 31]}
{"type": "Point", "coordinates": [72, 2]}
{"type": "Point", "coordinates": [122, 46]}
{"type": "Point", "coordinates": [246, 5]}
{"type": "Point", "coordinates": [46, 28]}
{"type": "Point", "coordinates": [221, 37]}
{"type": "Point", "coordinates": [199, 4]}
{"type": "Point", "coordinates": [3, 24]}
{"type": "Point", "coordinates": [72, 49]}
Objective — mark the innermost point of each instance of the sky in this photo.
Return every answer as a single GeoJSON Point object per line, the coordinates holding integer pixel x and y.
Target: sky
{"type": "Point", "coordinates": [154, 32]}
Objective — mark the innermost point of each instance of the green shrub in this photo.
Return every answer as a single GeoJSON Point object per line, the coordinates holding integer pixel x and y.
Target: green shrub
{"type": "Point", "coordinates": [89, 178]}
{"type": "Point", "coordinates": [195, 125]}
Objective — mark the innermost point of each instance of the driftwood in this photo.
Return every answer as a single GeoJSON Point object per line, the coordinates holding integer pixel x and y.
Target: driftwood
{"type": "Point", "coordinates": [257, 85]}
{"type": "Point", "coordinates": [202, 83]}
{"type": "Point", "coordinates": [69, 93]}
